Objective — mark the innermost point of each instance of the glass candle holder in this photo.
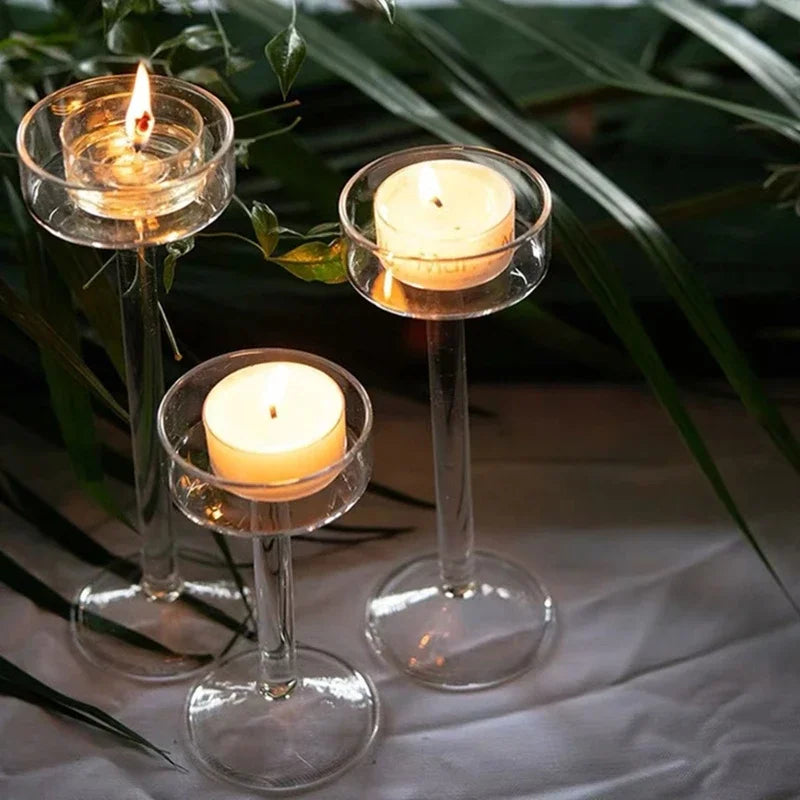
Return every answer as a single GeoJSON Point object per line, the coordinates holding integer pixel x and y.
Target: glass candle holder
{"type": "Point", "coordinates": [85, 183]}
{"type": "Point", "coordinates": [445, 234]}
{"type": "Point", "coordinates": [154, 180]}
{"type": "Point", "coordinates": [82, 183]}
{"type": "Point", "coordinates": [280, 717]}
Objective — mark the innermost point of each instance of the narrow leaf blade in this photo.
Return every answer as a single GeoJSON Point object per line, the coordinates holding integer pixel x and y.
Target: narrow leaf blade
{"type": "Point", "coordinates": [764, 65]}
{"type": "Point", "coordinates": [676, 273]}
{"type": "Point", "coordinates": [32, 324]}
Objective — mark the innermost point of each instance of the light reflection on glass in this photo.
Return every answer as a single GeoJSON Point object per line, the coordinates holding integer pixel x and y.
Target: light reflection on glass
{"type": "Point", "coordinates": [224, 693]}
{"type": "Point", "coordinates": [221, 590]}
{"type": "Point", "coordinates": [109, 596]}
{"type": "Point", "coordinates": [349, 689]}
{"type": "Point", "coordinates": [381, 606]}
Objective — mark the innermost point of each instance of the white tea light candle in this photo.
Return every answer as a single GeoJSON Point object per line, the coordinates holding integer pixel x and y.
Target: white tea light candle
{"type": "Point", "coordinates": [272, 423]}
{"type": "Point", "coordinates": [433, 219]}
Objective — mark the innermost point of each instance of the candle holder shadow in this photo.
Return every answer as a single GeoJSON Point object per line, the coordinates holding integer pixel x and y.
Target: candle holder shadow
{"type": "Point", "coordinates": [459, 619]}
{"type": "Point", "coordinates": [280, 717]}
{"type": "Point", "coordinates": [84, 182]}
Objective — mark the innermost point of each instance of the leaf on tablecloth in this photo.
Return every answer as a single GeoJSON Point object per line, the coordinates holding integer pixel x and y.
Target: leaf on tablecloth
{"type": "Point", "coordinates": [15, 682]}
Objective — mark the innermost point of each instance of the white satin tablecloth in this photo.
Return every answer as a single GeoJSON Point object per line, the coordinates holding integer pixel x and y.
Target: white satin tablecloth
{"type": "Point", "coordinates": [676, 672]}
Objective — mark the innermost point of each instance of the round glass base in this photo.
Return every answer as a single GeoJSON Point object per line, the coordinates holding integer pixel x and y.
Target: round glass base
{"type": "Point", "coordinates": [116, 624]}
{"type": "Point", "coordinates": [326, 724]}
{"type": "Point", "coordinates": [489, 634]}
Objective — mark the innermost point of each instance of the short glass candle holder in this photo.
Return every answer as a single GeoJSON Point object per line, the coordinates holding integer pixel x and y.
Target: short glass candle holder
{"type": "Point", "coordinates": [282, 717]}
{"type": "Point", "coordinates": [444, 234]}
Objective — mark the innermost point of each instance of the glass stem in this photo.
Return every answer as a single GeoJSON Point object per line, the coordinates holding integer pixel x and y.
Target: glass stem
{"type": "Point", "coordinates": [272, 563]}
{"type": "Point", "coordinates": [141, 336]}
{"type": "Point", "coordinates": [447, 372]}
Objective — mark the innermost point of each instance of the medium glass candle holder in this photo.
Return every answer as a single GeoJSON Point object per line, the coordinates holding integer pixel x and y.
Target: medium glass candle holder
{"type": "Point", "coordinates": [280, 717]}
{"type": "Point", "coordinates": [85, 181]}
{"type": "Point", "coordinates": [446, 234]}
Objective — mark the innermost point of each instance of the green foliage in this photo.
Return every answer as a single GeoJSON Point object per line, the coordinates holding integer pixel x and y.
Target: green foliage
{"type": "Point", "coordinates": [604, 66]}
{"type": "Point", "coordinates": [677, 274]}
{"type": "Point", "coordinates": [388, 7]}
{"type": "Point", "coordinates": [265, 225]}
{"type": "Point", "coordinates": [775, 73]}
{"type": "Point", "coordinates": [315, 261]}
{"type": "Point", "coordinates": [175, 250]}
{"type": "Point", "coordinates": [32, 324]}
{"type": "Point", "coordinates": [286, 52]}
{"type": "Point", "coordinates": [789, 7]}
{"type": "Point", "coordinates": [15, 682]}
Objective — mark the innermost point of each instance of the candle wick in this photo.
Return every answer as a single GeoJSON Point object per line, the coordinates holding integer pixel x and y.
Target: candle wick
{"type": "Point", "coordinates": [273, 412]}
{"type": "Point", "coordinates": [437, 202]}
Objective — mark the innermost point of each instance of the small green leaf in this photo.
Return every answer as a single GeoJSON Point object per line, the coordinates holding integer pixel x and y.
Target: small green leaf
{"type": "Point", "coordinates": [200, 38]}
{"type": "Point", "coordinates": [315, 261]}
{"type": "Point", "coordinates": [208, 76]}
{"type": "Point", "coordinates": [241, 149]}
{"type": "Point", "coordinates": [196, 37]}
{"type": "Point", "coordinates": [388, 7]}
{"type": "Point", "coordinates": [127, 37]}
{"type": "Point", "coordinates": [237, 63]}
{"type": "Point", "coordinates": [265, 225]}
{"type": "Point", "coordinates": [116, 10]}
{"type": "Point", "coordinates": [324, 229]}
{"type": "Point", "coordinates": [285, 53]}
{"type": "Point", "coordinates": [175, 250]}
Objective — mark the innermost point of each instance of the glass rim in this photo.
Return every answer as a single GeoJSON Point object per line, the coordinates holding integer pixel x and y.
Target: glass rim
{"type": "Point", "coordinates": [355, 234]}
{"type": "Point", "coordinates": [220, 152]}
{"type": "Point", "coordinates": [196, 134]}
{"type": "Point", "coordinates": [329, 367]}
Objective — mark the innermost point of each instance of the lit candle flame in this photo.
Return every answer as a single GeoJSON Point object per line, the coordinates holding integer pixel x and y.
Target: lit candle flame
{"type": "Point", "coordinates": [139, 120]}
{"type": "Point", "coordinates": [429, 189]}
{"type": "Point", "coordinates": [275, 388]}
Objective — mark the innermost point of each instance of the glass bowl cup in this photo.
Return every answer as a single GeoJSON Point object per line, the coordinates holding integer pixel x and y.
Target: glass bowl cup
{"type": "Point", "coordinates": [283, 717]}
{"type": "Point", "coordinates": [80, 199]}
{"type": "Point", "coordinates": [228, 506]}
{"type": "Point", "coordinates": [517, 266]}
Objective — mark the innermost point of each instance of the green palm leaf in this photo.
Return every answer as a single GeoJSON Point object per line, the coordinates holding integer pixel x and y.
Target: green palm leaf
{"type": "Point", "coordinates": [768, 68]}
{"type": "Point", "coordinates": [593, 270]}
{"type": "Point", "coordinates": [98, 301]}
{"type": "Point", "coordinates": [490, 102]}
{"type": "Point", "coordinates": [606, 67]}
{"type": "Point", "coordinates": [29, 322]}
{"type": "Point", "coordinates": [789, 7]}
{"type": "Point", "coordinates": [15, 682]}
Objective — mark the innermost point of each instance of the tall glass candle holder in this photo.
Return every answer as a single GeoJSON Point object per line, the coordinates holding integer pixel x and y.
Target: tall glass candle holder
{"type": "Point", "coordinates": [446, 234]}
{"type": "Point", "coordinates": [280, 717]}
{"type": "Point", "coordinates": [90, 177]}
